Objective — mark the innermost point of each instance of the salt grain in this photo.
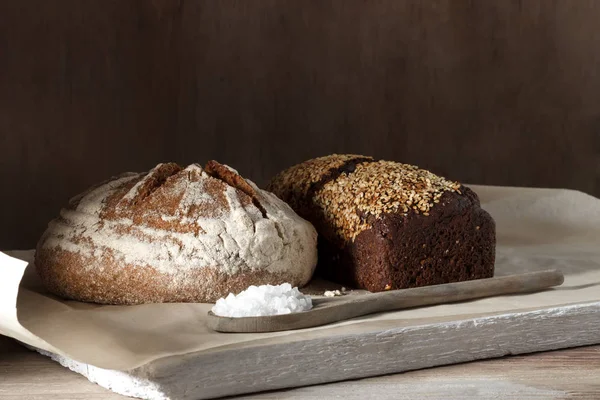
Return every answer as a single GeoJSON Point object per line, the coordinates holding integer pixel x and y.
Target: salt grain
{"type": "Point", "coordinates": [263, 300]}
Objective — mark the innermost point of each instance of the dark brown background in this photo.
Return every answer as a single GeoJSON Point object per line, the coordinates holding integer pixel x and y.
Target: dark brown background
{"type": "Point", "coordinates": [492, 92]}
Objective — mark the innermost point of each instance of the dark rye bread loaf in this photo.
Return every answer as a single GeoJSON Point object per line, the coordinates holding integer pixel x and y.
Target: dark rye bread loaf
{"type": "Point", "coordinates": [386, 225]}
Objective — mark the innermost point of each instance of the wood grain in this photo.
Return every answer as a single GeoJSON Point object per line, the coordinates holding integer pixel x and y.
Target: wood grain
{"type": "Point", "coordinates": [273, 366]}
{"type": "Point", "coordinates": [86, 91]}
{"type": "Point", "coordinates": [564, 374]}
{"type": "Point", "coordinates": [493, 92]}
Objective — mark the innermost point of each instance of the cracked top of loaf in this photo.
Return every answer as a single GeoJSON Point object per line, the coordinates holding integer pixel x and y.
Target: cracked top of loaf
{"type": "Point", "coordinates": [174, 234]}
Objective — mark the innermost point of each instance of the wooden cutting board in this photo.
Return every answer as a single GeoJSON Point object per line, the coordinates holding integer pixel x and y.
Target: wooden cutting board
{"type": "Point", "coordinates": [391, 347]}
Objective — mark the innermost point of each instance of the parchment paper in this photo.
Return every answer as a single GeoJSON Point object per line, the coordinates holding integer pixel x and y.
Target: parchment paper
{"type": "Point", "coordinates": [537, 229]}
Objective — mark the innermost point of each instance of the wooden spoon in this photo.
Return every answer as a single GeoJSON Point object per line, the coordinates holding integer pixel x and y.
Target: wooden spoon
{"type": "Point", "coordinates": [328, 310]}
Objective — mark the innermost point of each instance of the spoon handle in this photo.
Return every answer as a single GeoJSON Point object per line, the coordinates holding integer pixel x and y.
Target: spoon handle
{"type": "Point", "coordinates": [459, 291]}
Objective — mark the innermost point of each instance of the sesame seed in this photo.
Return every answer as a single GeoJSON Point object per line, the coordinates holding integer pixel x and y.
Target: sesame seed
{"type": "Point", "coordinates": [374, 188]}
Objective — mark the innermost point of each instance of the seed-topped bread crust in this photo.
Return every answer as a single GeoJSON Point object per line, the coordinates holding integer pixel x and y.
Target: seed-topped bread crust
{"type": "Point", "coordinates": [350, 189]}
{"type": "Point", "coordinates": [298, 184]}
{"type": "Point", "coordinates": [376, 188]}
{"type": "Point", "coordinates": [364, 210]}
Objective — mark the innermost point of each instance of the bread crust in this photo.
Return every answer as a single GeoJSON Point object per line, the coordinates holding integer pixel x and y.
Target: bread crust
{"type": "Point", "coordinates": [386, 225]}
{"type": "Point", "coordinates": [174, 235]}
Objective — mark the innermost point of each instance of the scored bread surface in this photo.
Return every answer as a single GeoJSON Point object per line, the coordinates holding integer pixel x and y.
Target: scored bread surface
{"type": "Point", "coordinates": [174, 235]}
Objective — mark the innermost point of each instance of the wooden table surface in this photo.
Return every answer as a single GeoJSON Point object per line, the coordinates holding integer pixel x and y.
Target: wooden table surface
{"type": "Point", "coordinates": [564, 374]}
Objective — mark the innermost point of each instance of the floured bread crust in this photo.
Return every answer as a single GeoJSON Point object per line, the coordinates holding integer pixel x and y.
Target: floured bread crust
{"type": "Point", "coordinates": [174, 235]}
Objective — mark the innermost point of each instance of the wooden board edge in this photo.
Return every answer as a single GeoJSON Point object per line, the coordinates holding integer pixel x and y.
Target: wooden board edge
{"type": "Point", "coordinates": [338, 358]}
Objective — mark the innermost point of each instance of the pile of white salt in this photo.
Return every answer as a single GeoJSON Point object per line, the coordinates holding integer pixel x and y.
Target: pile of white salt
{"type": "Point", "coordinates": [257, 301]}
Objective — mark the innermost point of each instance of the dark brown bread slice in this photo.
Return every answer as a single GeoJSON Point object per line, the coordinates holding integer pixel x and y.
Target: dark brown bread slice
{"type": "Point", "coordinates": [385, 225]}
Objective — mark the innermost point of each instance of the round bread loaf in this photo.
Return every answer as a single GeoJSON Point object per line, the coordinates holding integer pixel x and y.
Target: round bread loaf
{"type": "Point", "coordinates": [174, 235]}
{"type": "Point", "coordinates": [386, 225]}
